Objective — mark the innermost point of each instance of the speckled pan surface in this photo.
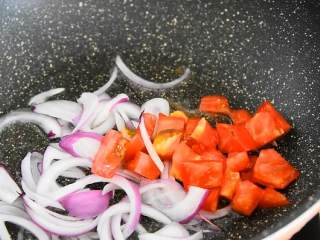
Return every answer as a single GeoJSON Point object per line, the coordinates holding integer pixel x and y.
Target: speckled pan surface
{"type": "Point", "coordinates": [246, 50]}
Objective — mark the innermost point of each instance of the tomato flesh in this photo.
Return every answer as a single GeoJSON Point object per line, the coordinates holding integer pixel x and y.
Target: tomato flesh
{"type": "Point", "coordinates": [238, 161]}
{"type": "Point", "coordinates": [204, 134]}
{"type": "Point", "coordinates": [272, 198]}
{"type": "Point", "coordinates": [166, 142]}
{"type": "Point", "coordinates": [214, 104]}
{"type": "Point", "coordinates": [190, 126]}
{"type": "Point", "coordinates": [170, 123]}
{"type": "Point", "coordinates": [180, 114]}
{"type": "Point", "coordinates": [240, 116]}
{"type": "Point", "coordinates": [229, 185]}
{"type": "Point", "coordinates": [211, 202]}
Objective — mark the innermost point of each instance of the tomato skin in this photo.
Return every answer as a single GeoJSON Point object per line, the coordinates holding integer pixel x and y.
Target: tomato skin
{"type": "Point", "coordinates": [110, 154]}
{"type": "Point", "coordinates": [204, 174]}
{"type": "Point", "coordinates": [238, 161]}
{"type": "Point", "coordinates": [166, 142]}
{"type": "Point", "coordinates": [214, 104]}
{"type": "Point", "coordinates": [190, 126]}
{"type": "Point", "coordinates": [246, 198]}
{"type": "Point", "coordinates": [211, 202]}
{"type": "Point", "coordinates": [204, 134]}
{"type": "Point", "coordinates": [272, 198]}
{"type": "Point", "coordinates": [182, 153]}
{"type": "Point", "coordinates": [280, 121]}
{"type": "Point", "coordinates": [170, 123]}
{"type": "Point", "coordinates": [143, 165]}
{"type": "Point", "coordinates": [180, 114]}
{"type": "Point", "coordinates": [229, 185]}
{"type": "Point", "coordinates": [214, 155]}
{"type": "Point", "coordinates": [248, 173]}
{"type": "Point", "coordinates": [240, 116]}
{"type": "Point", "coordinates": [234, 138]}
{"type": "Point", "coordinates": [271, 169]}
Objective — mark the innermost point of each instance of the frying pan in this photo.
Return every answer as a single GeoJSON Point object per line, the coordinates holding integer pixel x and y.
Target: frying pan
{"type": "Point", "coordinates": [246, 50]}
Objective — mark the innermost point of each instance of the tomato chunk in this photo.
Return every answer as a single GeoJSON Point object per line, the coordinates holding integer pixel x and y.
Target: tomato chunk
{"type": "Point", "coordinates": [110, 154]}
{"type": "Point", "coordinates": [204, 174]}
{"type": "Point", "coordinates": [281, 123]}
{"type": "Point", "coordinates": [238, 161]}
{"type": "Point", "coordinates": [179, 114]}
{"type": "Point", "coordinates": [170, 123]}
{"type": "Point", "coordinates": [246, 198]}
{"type": "Point", "coordinates": [190, 126]}
{"type": "Point", "coordinates": [271, 169]}
{"type": "Point", "coordinates": [272, 198]}
{"type": "Point", "coordinates": [214, 155]}
{"type": "Point", "coordinates": [143, 165]}
{"type": "Point", "coordinates": [214, 104]}
{"type": "Point", "coordinates": [248, 173]}
{"type": "Point", "coordinates": [240, 116]}
{"type": "Point", "coordinates": [166, 142]}
{"type": "Point", "coordinates": [182, 153]}
{"type": "Point", "coordinates": [205, 134]}
{"type": "Point", "coordinates": [211, 202]}
{"type": "Point", "coordinates": [234, 138]}
{"type": "Point", "coordinates": [230, 182]}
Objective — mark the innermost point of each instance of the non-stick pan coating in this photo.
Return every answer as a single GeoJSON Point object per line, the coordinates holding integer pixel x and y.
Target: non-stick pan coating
{"type": "Point", "coordinates": [246, 50]}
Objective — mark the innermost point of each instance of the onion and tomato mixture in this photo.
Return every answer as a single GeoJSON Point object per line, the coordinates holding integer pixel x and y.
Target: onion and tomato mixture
{"type": "Point", "coordinates": [173, 166]}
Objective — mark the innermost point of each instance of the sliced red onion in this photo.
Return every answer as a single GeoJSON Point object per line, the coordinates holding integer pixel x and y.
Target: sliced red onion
{"type": "Point", "coordinates": [173, 229]}
{"type": "Point", "coordinates": [104, 127]}
{"type": "Point", "coordinates": [132, 176]}
{"type": "Point", "coordinates": [9, 190]}
{"type": "Point", "coordinates": [61, 109]}
{"type": "Point", "coordinates": [103, 115]}
{"type": "Point", "coordinates": [51, 154]}
{"type": "Point", "coordinates": [4, 234]}
{"type": "Point", "coordinates": [65, 127]}
{"type": "Point", "coordinates": [85, 204]}
{"type": "Point", "coordinates": [116, 227]}
{"type": "Point", "coordinates": [48, 124]}
{"type": "Point", "coordinates": [156, 106]}
{"type": "Point", "coordinates": [89, 102]}
{"type": "Point", "coordinates": [130, 109]}
{"type": "Point", "coordinates": [108, 84]}
{"type": "Point", "coordinates": [125, 118]}
{"type": "Point", "coordinates": [81, 144]}
{"type": "Point", "coordinates": [217, 214]}
{"type": "Point", "coordinates": [120, 123]}
{"type": "Point", "coordinates": [104, 97]}
{"type": "Point", "coordinates": [29, 170]}
{"type": "Point", "coordinates": [140, 229]}
{"type": "Point", "coordinates": [48, 178]}
{"type": "Point", "coordinates": [165, 173]}
{"type": "Point", "coordinates": [75, 173]}
{"type": "Point", "coordinates": [44, 96]}
{"type": "Point", "coordinates": [148, 84]}
{"type": "Point", "coordinates": [154, 236]}
{"type": "Point", "coordinates": [57, 225]}
{"type": "Point", "coordinates": [147, 142]}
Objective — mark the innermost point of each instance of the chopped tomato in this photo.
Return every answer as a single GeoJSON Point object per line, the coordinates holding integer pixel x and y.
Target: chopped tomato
{"type": "Point", "coordinates": [110, 154]}
{"type": "Point", "coordinates": [204, 174]}
{"type": "Point", "coordinates": [211, 202]}
{"type": "Point", "coordinates": [246, 198]}
{"type": "Point", "coordinates": [166, 142]}
{"type": "Point", "coordinates": [143, 165]}
{"type": "Point", "coordinates": [281, 123]}
{"type": "Point", "coordinates": [205, 134]}
{"type": "Point", "coordinates": [248, 173]}
{"type": "Point", "coordinates": [128, 133]}
{"type": "Point", "coordinates": [179, 114]}
{"type": "Point", "coordinates": [214, 104]}
{"type": "Point", "coordinates": [271, 169]}
{"type": "Point", "coordinates": [238, 161]}
{"type": "Point", "coordinates": [229, 185]}
{"type": "Point", "coordinates": [234, 138]}
{"type": "Point", "coordinates": [190, 126]}
{"type": "Point", "coordinates": [182, 153]}
{"type": "Point", "coordinates": [170, 123]}
{"type": "Point", "coordinates": [213, 154]}
{"type": "Point", "coordinates": [240, 116]}
{"type": "Point", "coordinates": [272, 198]}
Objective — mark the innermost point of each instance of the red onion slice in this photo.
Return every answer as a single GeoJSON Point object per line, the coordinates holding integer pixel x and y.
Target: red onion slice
{"type": "Point", "coordinates": [29, 169]}
{"type": "Point", "coordinates": [217, 214]}
{"type": "Point", "coordinates": [9, 190]}
{"type": "Point", "coordinates": [108, 84]}
{"type": "Point", "coordinates": [81, 144]}
{"type": "Point", "coordinates": [130, 109]}
{"type": "Point", "coordinates": [156, 106]}
{"type": "Point", "coordinates": [4, 234]}
{"type": "Point", "coordinates": [75, 173]}
{"type": "Point", "coordinates": [85, 204]}
{"type": "Point", "coordinates": [44, 96]}
{"type": "Point", "coordinates": [147, 142]}
{"type": "Point", "coordinates": [154, 236]}
{"type": "Point", "coordinates": [51, 154]}
{"type": "Point", "coordinates": [90, 103]}
{"type": "Point", "coordinates": [48, 124]}
{"type": "Point", "coordinates": [61, 109]}
{"type": "Point", "coordinates": [148, 84]}
{"type": "Point", "coordinates": [120, 123]}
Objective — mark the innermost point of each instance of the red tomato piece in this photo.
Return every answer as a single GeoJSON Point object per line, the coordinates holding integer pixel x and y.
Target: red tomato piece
{"type": "Point", "coordinates": [229, 185]}
{"type": "Point", "coordinates": [240, 116]}
{"type": "Point", "coordinates": [182, 153]}
{"type": "Point", "coordinates": [143, 165]}
{"type": "Point", "coordinates": [150, 122]}
{"type": "Point", "coordinates": [204, 174]}
{"type": "Point", "coordinates": [211, 202]}
{"type": "Point", "coordinates": [110, 154]}
{"type": "Point", "coordinates": [272, 198]}
{"type": "Point", "coordinates": [205, 134]}
{"type": "Point", "coordinates": [214, 155]}
{"type": "Point", "coordinates": [246, 198]}
{"type": "Point", "coordinates": [180, 114]}
{"type": "Point", "coordinates": [248, 173]}
{"type": "Point", "coordinates": [281, 123]}
{"type": "Point", "coordinates": [166, 142]}
{"type": "Point", "coordinates": [238, 161]}
{"type": "Point", "coordinates": [190, 126]}
{"type": "Point", "coordinates": [271, 169]}
{"type": "Point", "coordinates": [234, 138]}
{"type": "Point", "coordinates": [170, 123]}
{"type": "Point", "coordinates": [214, 104]}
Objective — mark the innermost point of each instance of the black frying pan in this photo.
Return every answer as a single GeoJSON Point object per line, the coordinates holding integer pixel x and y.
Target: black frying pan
{"type": "Point", "coordinates": [246, 50]}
